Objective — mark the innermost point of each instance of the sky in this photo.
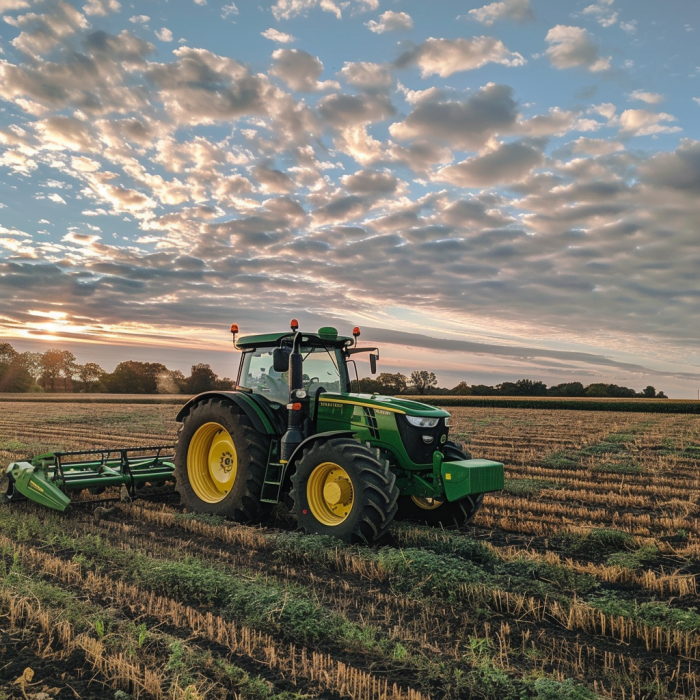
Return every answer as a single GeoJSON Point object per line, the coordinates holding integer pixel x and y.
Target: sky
{"type": "Point", "coordinates": [490, 191]}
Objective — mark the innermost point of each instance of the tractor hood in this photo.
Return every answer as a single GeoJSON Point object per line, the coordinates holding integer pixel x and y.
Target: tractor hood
{"type": "Point", "coordinates": [388, 403]}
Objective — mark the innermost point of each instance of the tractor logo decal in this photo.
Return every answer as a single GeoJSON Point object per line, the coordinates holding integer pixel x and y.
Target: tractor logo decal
{"type": "Point", "coordinates": [226, 462]}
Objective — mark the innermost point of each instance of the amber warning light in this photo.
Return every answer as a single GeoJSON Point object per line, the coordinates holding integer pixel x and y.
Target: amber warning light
{"type": "Point", "coordinates": [234, 328]}
{"type": "Point", "coordinates": [356, 331]}
{"type": "Point", "coordinates": [294, 324]}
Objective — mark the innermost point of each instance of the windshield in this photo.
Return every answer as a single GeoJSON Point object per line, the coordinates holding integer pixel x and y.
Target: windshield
{"type": "Point", "coordinates": [322, 368]}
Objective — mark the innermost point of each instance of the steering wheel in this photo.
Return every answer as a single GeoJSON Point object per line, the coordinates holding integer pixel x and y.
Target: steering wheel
{"type": "Point", "coordinates": [276, 385]}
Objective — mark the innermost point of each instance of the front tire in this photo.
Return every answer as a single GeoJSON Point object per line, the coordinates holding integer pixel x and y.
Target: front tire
{"type": "Point", "coordinates": [340, 489]}
{"type": "Point", "coordinates": [430, 511]}
{"type": "Point", "coordinates": [220, 462]}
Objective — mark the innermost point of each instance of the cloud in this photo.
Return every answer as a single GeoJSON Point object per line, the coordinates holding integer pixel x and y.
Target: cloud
{"type": "Point", "coordinates": [642, 122]}
{"type": "Point", "coordinates": [164, 34]}
{"type": "Point", "coordinates": [350, 110]}
{"type": "Point", "coordinates": [300, 70]}
{"type": "Point", "coordinates": [55, 197]}
{"type": "Point", "coordinates": [9, 5]}
{"type": "Point", "coordinates": [573, 47]}
{"type": "Point", "coordinates": [603, 11]}
{"type": "Point", "coordinates": [444, 57]}
{"type": "Point", "coordinates": [101, 8]}
{"type": "Point", "coordinates": [629, 27]}
{"type": "Point", "coordinates": [139, 19]}
{"type": "Point", "coordinates": [228, 10]}
{"type": "Point", "coordinates": [370, 182]}
{"type": "Point", "coordinates": [696, 99]}
{"type": "Point", "coordinates": [367, 76]}
{"type": "Point", "coordinates": [516, 10]}
{"type": "Point", "coordinates": [41, 33]}
{"type": "Point", "coordinates": [60, 133]}
{"type": "Point", "coordinates": [462, 124]}
{"type": "Point", "coordinates": [286, 9]}
{"type": "Point", "coordinates": [280, 37]}
{"type": "Point", "coordinates": [556, 121]}
{"type": "Point", "coordinates": [678, 170]}
{"type": "Point", "coordinates": [390, 22]}
{"type": "Point", "coordinates": [651, 98]}
{"type": "Point", "coordinates": [596, 147]}
{"type": "Point", "coordinates": [503, 164]}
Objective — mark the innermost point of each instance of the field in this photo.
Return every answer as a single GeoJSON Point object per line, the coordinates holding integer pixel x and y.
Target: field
{"type": "Point", "coordinates": [577, 581]}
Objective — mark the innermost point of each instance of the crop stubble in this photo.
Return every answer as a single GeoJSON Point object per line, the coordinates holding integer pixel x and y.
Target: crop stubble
{"type": "Point", "coordinates": [583, 568]}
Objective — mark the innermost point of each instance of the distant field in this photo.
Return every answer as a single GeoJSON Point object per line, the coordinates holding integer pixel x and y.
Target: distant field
{"type": "Point", "coordinates": [578, 580]}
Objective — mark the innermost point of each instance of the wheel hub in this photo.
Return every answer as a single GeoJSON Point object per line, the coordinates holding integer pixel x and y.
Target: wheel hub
{"type": "Point", "coordinates": [426, 503]}
{"type": "Point", "coordinates": [212, 462]}
{"type": "Point", "coordinates": [330, 493]}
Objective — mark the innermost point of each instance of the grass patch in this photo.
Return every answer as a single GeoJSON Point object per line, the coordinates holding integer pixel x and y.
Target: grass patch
{"type": "Point", "coordinates": [595, 541]}
{"type": "Point", "coordinates": [633, 560]}
{"type": "Point", "coordinates": [625, 467]}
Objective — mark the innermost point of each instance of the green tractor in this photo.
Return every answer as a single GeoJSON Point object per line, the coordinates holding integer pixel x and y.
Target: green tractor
{"type": "Point", "coordinates": [292, 431]}
{"type": "Point", "coordinates": [345, 463]}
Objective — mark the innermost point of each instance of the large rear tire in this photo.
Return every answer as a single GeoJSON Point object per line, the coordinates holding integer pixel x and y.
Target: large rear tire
{"type": "Point", "coordinates": [430, 511]}
{"type": "Point", "coordinates": [220, 462]}
{"type": "Point", "coordinates": [340, 489]}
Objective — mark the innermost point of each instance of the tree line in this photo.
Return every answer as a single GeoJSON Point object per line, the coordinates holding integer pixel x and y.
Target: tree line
{"type": "Point", "coordinates": [59, 371]}
{"type": "Point", "coordinates": [424, 382]}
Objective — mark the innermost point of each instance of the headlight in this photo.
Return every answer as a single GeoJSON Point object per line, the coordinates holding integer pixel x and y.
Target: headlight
{"type": "Point", "coordinates": [448, 421]}
{"type": "Point", "coordinates": [422, 422]}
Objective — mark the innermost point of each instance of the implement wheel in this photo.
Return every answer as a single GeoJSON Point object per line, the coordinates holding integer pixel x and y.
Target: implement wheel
{"type": "Point", "coordinates": [220, 462]}
{"type": "Point", "coordinates": [340, 489]}
{"type": "Point", "coordinates": [430, 511]}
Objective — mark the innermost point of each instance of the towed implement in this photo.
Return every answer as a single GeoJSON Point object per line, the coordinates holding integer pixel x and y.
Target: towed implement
{"type": "Point", "coordinates": [292, 431]}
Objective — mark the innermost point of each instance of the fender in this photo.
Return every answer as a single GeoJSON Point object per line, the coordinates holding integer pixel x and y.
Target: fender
{"type": "Point", "coordinates": [260, 415]}
{"type": "Point", "coordinates": [287, 472]}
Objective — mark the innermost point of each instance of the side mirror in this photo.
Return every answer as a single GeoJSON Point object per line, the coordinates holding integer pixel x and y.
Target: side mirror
{"type": "Point", "coordinates": [373, 362]}
{"type": "Point", "coordinates": [280, 360]}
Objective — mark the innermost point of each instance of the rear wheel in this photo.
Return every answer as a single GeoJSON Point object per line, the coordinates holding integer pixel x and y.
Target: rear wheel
{"type": "Point", "coordinates": [220, 462]}
{"type": "Point", "coordinates": [340, 489]}
{"type": "Point", "coordinates": [431, 511]}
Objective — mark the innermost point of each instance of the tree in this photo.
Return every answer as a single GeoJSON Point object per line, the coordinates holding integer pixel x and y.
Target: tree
{"type": "Point", "coordinates": [462, 389]}
{"type": "Point", "coordinates": [14, 375]}
{"type": "Point", "coordinates": [57, 363]}
{"type": "Point", "coordinates": [421, 380]}
{"type": "Point", "coordinates": [90, 375]}
{"type": "Point", "coordinates": [392, 383]}
{"type": "Point", "coordinates": [567, 389]}
{"type": "Point", "coordinates": [133, 377]}
{"type": "Point", "coordinates": [172, 381]}
{"type": "Point", "coordinates": [649, 392]}
{"type": "Point", "coordinates": [203, 378]}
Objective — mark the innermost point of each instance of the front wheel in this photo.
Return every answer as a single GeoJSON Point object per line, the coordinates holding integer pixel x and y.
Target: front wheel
{"type": "Point", "coordinates": [340, 489]}
{"type": "Point", "coordinates": [431, 511]}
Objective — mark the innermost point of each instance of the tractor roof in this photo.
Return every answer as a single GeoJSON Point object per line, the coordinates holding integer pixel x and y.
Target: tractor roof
{"type": "Point", "coordinates": [326, 337]}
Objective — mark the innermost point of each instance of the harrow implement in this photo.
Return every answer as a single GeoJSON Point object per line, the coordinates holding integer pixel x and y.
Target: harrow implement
{"type": "Point", "coordinates": [49, 478]}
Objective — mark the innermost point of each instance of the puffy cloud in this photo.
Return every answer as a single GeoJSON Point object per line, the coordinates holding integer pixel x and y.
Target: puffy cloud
{"type": "Point", "coordinates": [300, 70]}
{"type": "Point", "coordinates": [596, 147]}
{"type": "Point", "coordinates": [642, 122]}
{"type": "Point", "coordinates": [228, 10]}
{"type": "Point", "coordinates": [517, 10]}
{"type": "Point", "coordinates": [280, 37]}
{"type": "Point", "coordinates": [557, 121]}
{"type": "Point", "coordinates": [651, 98]}
{"type": "Point", "coordinates": [572, 47]}
{"type": "Point", "coordinates": [678, 170]}
{"type": "Point", "coordinates": [41, 33]}
{"type": "Point", "coordinates": [462, 124]}
{"type": "Point", "coordinates": [101, 8]}
{"type": "Point", "coordinates": [9, 5]}
{"type": "Point", "coordinates": [67, 133]}
{"type": "Point", "coordinates": [272, 180]}
{"type": "Point", "coordinates": [164, 34]}
{"type": "Point", "coordinates": [367, 76]}
{"type": "Point", "coordinates": [390, 22]}
{"type": "Point", "coordinates": [506, 163]}
{"type": "Point", "coordinates": [603, 11]}
{"type": "Point", "coordinates": [370, 182]}
{"type": "Point", "coordinates": [444, 57]}
{"type": "Point", "coordinates": [139, 19]}
{"type": "Point", "coordinates": [286, 9]}
{"type": "Point", "coordinates": [350, 110]}
{"type": "Point", "coordinates": [202, 87]}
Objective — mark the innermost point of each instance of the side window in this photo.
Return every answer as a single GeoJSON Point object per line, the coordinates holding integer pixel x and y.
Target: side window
{"type": "Point", "coordinates": [259, 375]}
{"type": "Point", "coordinates": [321, 370]}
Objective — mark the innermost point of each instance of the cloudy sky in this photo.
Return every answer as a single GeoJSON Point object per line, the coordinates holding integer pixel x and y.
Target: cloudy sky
{"type": "Point", "coordinates": [493, 191]}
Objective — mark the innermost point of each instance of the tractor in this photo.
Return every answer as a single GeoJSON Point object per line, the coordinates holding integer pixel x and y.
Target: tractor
{"type": "Point", "coordinates": [293, 432]}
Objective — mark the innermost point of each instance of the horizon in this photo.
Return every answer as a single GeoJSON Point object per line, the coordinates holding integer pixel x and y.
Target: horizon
{"type": "Point", "coordinates": [491, 191]}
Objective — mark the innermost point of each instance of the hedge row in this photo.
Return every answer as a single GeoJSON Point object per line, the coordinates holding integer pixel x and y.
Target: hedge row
{"type": "Point", "coordinates": [557, 404]}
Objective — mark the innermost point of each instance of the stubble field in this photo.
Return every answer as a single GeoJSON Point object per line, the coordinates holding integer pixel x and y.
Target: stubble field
{"type": "Point", "coordinates": [578, 580]}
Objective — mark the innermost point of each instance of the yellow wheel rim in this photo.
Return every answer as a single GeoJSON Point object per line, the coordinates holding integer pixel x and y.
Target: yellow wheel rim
{"type": "Point", "coordinates": [426, 503]}
{"type": "Point", "coordinates": [212, 462]}
{"type": "Point", "coordinates": [330, 493]}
